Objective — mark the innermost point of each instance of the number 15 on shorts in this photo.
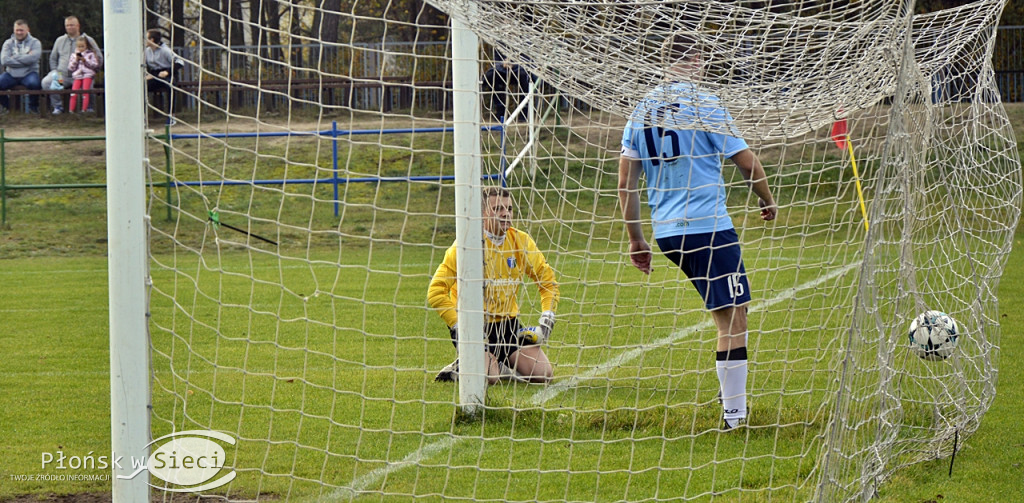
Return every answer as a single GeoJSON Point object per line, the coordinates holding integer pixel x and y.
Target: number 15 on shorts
{"type": "Point", "coordinates": [735, 285]}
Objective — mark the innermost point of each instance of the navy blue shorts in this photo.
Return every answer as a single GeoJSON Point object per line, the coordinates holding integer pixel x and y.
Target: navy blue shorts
{"type": "Point", "coordinates": [714, 265]}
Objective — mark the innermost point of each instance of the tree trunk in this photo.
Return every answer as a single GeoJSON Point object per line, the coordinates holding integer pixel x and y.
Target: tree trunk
{"type": "Point", "coordinates": [177, 20]}
{"type": "Point", "coordinates": [210, 21]}
{"type": "Point", "coordinates": [271, 15]}
{"type": "Point", "coordinates": [295, 29]}
{"type": "Point", "coordinates": [236, 27]}
{"type": "Point", "coordinates": [329, 25]}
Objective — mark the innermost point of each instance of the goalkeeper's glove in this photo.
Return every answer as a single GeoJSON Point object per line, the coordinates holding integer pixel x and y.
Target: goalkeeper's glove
{"type": "Point", "coordinates": [547, 322]}
{"type": "Point", "coordinates": [530, 335]}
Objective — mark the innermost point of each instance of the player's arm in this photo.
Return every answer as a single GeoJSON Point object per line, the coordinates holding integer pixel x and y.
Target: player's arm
{"type": "Point", "coordinates": [752, 170]}
{"type": "Point", "coordinates": [537, 268]}
{"type": "Point", "coordinates": [440, 294]}
{"type": "Point", "coordinates": [629, 200]}
{"type": "Point", "coordinates": [542, 274]}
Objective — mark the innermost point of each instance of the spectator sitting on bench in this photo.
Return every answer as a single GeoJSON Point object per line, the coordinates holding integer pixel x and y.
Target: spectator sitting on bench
{"type": "Point", "coordinates": [161, 63]}
{"type": "Point", "coordinates": [60, 58]}
{"type": "Point", "coordinates": [20, 60]}
{"type": "Point", "coordinates": [83, 67]}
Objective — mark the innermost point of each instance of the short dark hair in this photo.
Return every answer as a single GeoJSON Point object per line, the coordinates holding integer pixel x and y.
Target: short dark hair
{"type": "Point", "coordinates": [155, 35]}
{"type": "Point", "coordinates": [490, 192]}
{"type": "Point", "coordinates": [21, 22]}
{"type": "Point", "coordinates": [681, 46]}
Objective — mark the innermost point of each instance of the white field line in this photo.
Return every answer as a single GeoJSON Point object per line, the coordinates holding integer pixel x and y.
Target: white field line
{"type": "Point", "coordinates": [362, 482]}
{"type": "Point", "coordinates": [50, 272]}
{"type": "Point", "coordinates": [376, 268]}
{"type": "Point", "coordinates": [560, 387]}
{"type": "Point", "coordinates": [51, 309]}
{"type": "Point", "coordinates": [359, 485]}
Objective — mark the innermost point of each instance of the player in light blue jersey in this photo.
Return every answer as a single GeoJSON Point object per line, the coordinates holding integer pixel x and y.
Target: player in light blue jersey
{"type": "Point", "coordinates": [677, 137]}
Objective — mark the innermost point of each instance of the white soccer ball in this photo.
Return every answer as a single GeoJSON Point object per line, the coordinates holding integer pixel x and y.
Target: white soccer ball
{"type": "Point", "coordinates": [933, 335]}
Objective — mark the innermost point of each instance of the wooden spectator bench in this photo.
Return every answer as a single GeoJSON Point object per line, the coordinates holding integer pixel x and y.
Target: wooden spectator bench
{"type": "Point", "coordinates": [338, 90]}
{"type": "Point", "coordinates": [18, 92]}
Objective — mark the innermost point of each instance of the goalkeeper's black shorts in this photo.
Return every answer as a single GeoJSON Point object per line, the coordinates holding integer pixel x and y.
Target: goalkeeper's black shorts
{"type": "Point", "coordinates": [502, 338]}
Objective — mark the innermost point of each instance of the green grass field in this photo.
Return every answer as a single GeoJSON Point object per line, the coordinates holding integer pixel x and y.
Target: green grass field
{"type": "Point", "coordinates": [348, 391]}
{"type": "Point", "coordinates": [329, 408]}
{"type": "Point", "coordinates": [57, 392]}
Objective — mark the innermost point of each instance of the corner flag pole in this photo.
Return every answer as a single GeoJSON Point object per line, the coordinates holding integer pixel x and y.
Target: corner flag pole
{"type": "Point", "coordinates": [856, 179]}
{"type": "Point", "coordinates": [841, 136]}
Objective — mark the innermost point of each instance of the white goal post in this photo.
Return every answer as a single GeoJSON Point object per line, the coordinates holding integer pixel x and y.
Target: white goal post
{"type": "Point", "coordinates": [468, 216]}
{"type": "Point", "coordinates": [127, 248]}
{"type": "Point", "coordinates": [327, 154]}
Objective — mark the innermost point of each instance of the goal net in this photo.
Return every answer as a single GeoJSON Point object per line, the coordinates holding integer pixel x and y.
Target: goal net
{"type": "Point", "coordinates": [303, 200]}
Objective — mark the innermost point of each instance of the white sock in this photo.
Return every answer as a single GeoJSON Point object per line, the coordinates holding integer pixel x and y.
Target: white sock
{"type": "Point", "coordinates": [732, 378]}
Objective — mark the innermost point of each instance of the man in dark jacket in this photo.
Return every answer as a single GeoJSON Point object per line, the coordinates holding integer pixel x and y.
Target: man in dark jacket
{"type": "Point", "coordinates": [503, 80]}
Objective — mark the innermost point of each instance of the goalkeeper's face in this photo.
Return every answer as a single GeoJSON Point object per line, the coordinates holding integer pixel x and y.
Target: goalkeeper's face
{"type": "Point", "coordinates": [497, 214]}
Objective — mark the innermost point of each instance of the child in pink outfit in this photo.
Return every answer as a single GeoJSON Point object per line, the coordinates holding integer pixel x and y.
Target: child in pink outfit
{"type": "Point", "coordinates": [82, 66]}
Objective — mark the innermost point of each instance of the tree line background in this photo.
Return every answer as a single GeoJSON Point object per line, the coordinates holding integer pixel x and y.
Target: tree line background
{"type": "Point", "coordinates": [281, 22]}
{"type": "Point", "coordinates": [46, 18]}
{"type": "Point", "coordinates": [220, 19]}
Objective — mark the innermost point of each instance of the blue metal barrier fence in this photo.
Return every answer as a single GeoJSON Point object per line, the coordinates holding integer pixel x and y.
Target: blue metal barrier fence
{"type": "Point", "coordinates": [336, 181]}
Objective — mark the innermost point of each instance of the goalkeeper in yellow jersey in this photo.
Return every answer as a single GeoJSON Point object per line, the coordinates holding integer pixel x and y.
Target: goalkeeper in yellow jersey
{"type": "Point", "coordinates": [509, 255]}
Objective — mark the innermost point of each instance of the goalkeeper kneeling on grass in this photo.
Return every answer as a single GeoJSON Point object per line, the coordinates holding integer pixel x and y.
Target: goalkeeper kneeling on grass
{"type": "Point", "coordinates": [509, 254]}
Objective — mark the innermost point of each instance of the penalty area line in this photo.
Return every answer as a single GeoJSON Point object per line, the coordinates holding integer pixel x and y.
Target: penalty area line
{"type": "Point", "coordinates": [361, 483]}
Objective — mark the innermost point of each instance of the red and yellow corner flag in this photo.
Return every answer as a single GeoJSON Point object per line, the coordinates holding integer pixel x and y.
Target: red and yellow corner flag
{"type": "Point", "coordinates": [841, 135]}
{"type": "Point", "coordinates": [840, 132]}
